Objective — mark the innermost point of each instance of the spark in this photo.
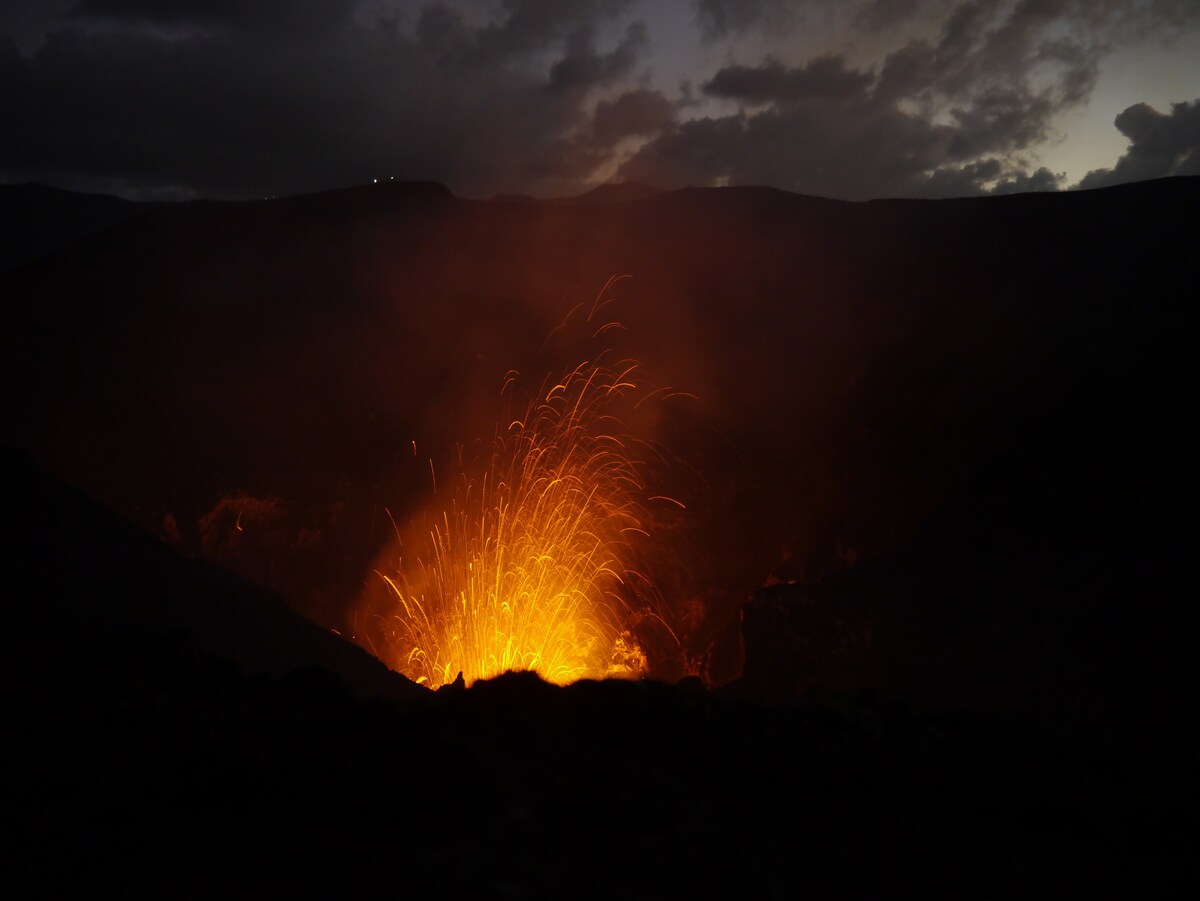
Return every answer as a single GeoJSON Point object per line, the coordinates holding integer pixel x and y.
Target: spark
{"type": "Point", "coordinates": [532, 566]}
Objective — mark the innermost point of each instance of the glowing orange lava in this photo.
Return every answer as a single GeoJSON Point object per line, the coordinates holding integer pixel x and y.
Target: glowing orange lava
{"type": "Point", "coordinates": [533, 565]}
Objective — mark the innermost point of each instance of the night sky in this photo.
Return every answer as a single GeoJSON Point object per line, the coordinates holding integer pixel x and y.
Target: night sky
{"type": "Point", "coordinates": [874, 98]}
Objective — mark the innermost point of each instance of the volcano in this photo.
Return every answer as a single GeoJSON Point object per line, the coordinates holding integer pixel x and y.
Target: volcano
{"type": "Point", "coordinates": [917, 603]}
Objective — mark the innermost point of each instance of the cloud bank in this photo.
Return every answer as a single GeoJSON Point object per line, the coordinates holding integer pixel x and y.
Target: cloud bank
{"type": "Point", "coordinates": [223, 98]}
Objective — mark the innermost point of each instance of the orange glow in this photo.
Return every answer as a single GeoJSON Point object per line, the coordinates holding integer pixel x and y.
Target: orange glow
{"type": "Point", "coordinates": [532, 566]}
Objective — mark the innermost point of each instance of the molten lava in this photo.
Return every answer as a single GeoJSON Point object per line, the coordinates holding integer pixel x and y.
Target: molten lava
{"type": "Point", "coordinates": [533, 566]}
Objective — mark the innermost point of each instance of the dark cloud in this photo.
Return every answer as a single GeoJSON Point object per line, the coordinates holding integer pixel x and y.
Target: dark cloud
{"type": "Point", "coordinates": [582, 68]}
{"type": "Point", "coordinates": [186, 97]}
{"type": "Point", "coordinates": [527, 24]}
{"type": "Point", "coordinates": [980, 48]}
{"type": "Point", "coordinates": [950, 181]}
{"type": "Point", "coordinates": [634, 113]}
{"type": "Point", "coordinates": [1041, 179]}
{"type": "Point", "coordinates": [262, 16]}
{"type": "Point", "coordinates": [217, 111]}
{"type": "Point", "coordinates": [957, 181]}
{"type": "Point", "coordinates": [1000, 118]}
{"type": "Point", "coordinates": [825, 76]}
{"type": "Point", "coordinates": [1159, 145]}
{"type": "Point", "coordinates": [697, 152]}
{"type": "Point", "coordinates": [724, 18]}
{"type": "Point", "coordinates": [839, 149]}
{"type": "Point", "coordinates": [906, 73]}
{"type": "Point", "coordinates": [878, 15]}
{"type": "Point", "coordinates": [955, 114]}
{"type": "Point", "coordinates": [1148, 16]}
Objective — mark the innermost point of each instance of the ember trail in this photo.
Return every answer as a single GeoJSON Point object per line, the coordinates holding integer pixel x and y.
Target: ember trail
{"type": "Point", "coordinates": [532, 566]}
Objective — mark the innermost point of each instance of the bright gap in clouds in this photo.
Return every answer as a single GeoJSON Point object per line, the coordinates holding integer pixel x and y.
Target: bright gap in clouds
{"type": "Point", "coordinates": [1145, 72]}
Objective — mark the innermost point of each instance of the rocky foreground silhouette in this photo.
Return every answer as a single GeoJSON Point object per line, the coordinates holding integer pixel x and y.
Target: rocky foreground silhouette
{"type": "Point", "coordinates": [953, 436]}
{"type": "Point", "coordinates": [168, 726]}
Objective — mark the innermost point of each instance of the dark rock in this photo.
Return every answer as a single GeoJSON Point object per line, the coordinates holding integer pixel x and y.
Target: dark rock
{"type": "Point", "coordinates": [796, 637]}
{"type": "Point", "coordinates": [73, 567]}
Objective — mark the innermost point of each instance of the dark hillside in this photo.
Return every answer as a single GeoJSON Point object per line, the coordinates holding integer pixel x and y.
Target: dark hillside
{"type": "Point", "coordinates": [951, 439]}
{"type": "Point", "coordinates": [36, 220]}
{"type": "Point", "coordinates": [162, 723]}
{"type": "Point", "coordinates": [77, 577]}
{"type": "Point", "coordinates": [874, 381]}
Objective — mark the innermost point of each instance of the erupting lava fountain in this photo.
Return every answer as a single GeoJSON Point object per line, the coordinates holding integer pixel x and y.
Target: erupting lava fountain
{"type": "Point", "coordinates": [534, 564]}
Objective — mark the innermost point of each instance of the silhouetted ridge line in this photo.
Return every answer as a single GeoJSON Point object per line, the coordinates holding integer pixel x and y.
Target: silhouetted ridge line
{"type": "Point", "coordinates": [73, 565]}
